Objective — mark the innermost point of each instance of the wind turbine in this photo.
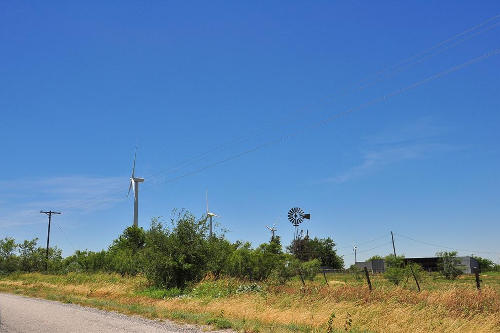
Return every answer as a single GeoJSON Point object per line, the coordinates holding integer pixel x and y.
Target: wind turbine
{"type": "Point", "coordinates": [273, 230]}
{"type": "Point", "coordinates": [134, 184]}
{"type": "Point", "coordinates": [210, 215]}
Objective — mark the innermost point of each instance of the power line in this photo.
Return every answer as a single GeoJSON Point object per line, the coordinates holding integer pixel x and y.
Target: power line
{"type": "Point", "coordinates": [364, 242]}
{"type": "Point", "coordinates": [370, 249]}
{"type": "Point", "coordinates": [431, 55]}
{"type": "Point", "coordinates": [442, 43]}
{"type": "Point", "coordinates": [417, 58]}
{"type": "Point", "coordinates": [444, 247]}
{"type": "Point", "coordinates": [66, 235]}
{"type": "Point", "coordinates": [340, 114]}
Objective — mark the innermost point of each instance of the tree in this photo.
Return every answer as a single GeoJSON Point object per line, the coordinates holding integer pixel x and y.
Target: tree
{"type": "Point", "coordinates": [8, 259]}
{"type": "Point", "coordinates": [306, 249]}
{"type": "Point", "coordinates": [126, 252]}
{"type": "Point", "coordinates": [485, 265]}
{"type": "Point", "coordinates": [88, 261]}
{"type": "Point", "coordinates": [29, 258]}
{"type": "Point", "coordinates": [179, 255]}
{"type": "Point", "coordinates": [449, 265]}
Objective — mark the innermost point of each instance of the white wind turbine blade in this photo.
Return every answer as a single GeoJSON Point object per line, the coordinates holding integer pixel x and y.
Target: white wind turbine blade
{"type": "Point", "coordinates": [133, 168]}
{"type": "Point", "coordinates": [130, 187]}
{"type": "Point", "coordinates": [206, 197]}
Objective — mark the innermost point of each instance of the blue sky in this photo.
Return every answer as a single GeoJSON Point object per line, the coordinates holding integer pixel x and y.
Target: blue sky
{"type": "Point", "coordinates": [255, 96]}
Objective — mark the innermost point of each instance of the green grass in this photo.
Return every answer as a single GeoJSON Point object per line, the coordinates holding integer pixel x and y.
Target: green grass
{"type": "Point", "coordinates": [223, 303]}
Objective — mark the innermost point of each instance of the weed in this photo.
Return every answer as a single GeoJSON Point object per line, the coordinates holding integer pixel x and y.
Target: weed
{"type": "Point", "coordinates": [348, 322]}
{"type": "Point", "coordinates": [220, 323]}
{"type": "Point", "coordinates": [330, 323]}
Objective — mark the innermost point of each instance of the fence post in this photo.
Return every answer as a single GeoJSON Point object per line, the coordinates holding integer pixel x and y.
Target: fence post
{"type": "Point", "coordinates": [415, 277]}
{"type": "Point", "coordinates": [478, 281]}
{"type": "Point", "coordinates": [302, 278]}
{"type": "Point", "coordinates": [368, 278]}
{"type": "Point", "coordinates": [324, 275]}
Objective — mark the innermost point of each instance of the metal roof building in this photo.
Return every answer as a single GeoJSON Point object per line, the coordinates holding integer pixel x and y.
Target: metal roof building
{"type": "Point", "coordinates": [430, 264]}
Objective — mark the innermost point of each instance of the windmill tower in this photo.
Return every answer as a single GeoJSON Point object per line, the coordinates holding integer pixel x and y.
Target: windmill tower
{"type": "Point", "coordinates": [210, 215]}
{"type": "Point", "coordinates": [134, 184]}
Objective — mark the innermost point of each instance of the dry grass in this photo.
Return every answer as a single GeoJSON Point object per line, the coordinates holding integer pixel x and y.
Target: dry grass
{"type": "Point", "coordinates": [442, 307]}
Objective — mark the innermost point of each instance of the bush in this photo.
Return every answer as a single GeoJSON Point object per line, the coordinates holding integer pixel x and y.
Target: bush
{"type": "Point", "coordinates": [259, 264]}
{"type": "Point", "coordinates": [485, 265]}
{"type": "Point", "coordinates": [87, 261]}
{"type": "Point", "coordinates": [395, 271]}
{"type": "Point", "coordinates": [285, 270]}
{"type": "Point", "coordinates": [179, 255]}
{"type": "Point", "coordinates": [449, 265]}
{"type": "Point", "coordinates": [306, 249]}
{"type": "Point", "coordinates": [310, 269]}
{"type": "Point", "coordinates": [8, 260]}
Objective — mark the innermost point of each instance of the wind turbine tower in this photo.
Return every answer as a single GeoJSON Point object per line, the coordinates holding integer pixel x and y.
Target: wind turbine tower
{"type": "Point", "coordinates": [134, 184]}
{"type": "Point", "coordinates": [210, 215]}
{"type": "Point", "coordinates": [273, 230]}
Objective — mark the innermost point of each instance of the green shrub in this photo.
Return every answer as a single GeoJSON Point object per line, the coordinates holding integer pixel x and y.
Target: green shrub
{"type": "Point", "coordinates": [8, 260]}
{"type": "Point", "coordinates": [395, 271]}
{"type": "Point", "coordinates": [449, 265]}
{"type": "Point", "coordinates": [323, 249]}
{"type": "Point", "coordinates": [310, 269]}
{"type": "Point", "coordinates": [179, 255]}
{"type": "Point", "coordinates": [285, 270]}
{"type": "Point", "coordinates": [485, 265]}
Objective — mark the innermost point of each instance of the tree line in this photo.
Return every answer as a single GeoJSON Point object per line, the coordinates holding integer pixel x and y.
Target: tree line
{"type": "Point", "coordinates": [178, 253]}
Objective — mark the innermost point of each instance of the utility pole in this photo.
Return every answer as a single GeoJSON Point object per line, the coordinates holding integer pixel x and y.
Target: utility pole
{"type": "Point", "coordinates": [393, 247]}
{"type": "Point", "coordinates": [49, 214]}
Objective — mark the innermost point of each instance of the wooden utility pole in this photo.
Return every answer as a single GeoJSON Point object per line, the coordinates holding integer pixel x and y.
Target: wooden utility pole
{"type": "Point", "coordinates": [49, 214]}
{"type": "Point", "coordinates": [393, 247]}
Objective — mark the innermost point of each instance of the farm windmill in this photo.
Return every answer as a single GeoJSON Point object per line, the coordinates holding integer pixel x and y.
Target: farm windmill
{"type": "Point", "coordinates": [210, 215]}
{"type": "Point", "coordinates": [134, 184]}
{"type": "Point", "coordinates": [296, 216]}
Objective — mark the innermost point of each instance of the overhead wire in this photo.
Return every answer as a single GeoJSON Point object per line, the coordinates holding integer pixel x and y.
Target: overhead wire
{"type": "Point", "coordinates": [444, 247]}
{"type": "Point", "coordinates": [364, 242]}
{"type": "Point", "coordinates": [370, 249]}
{"type": "Point", "coordinates": [66, 235]}
{"type": "Point", "coordinates": [340, 114]}
{"type": "Point", "coordinates": [420, 56]}
{"type": "Point", "coordinates": [438, 45]}
{"type": "Point", "coordinates": [425, 57]}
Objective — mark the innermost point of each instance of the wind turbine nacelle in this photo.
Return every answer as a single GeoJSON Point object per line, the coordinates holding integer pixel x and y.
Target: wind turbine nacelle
{"type": "Point", "coordinates": [211, 214]}
{"type": "Point", "coordinates": [138, 180]}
